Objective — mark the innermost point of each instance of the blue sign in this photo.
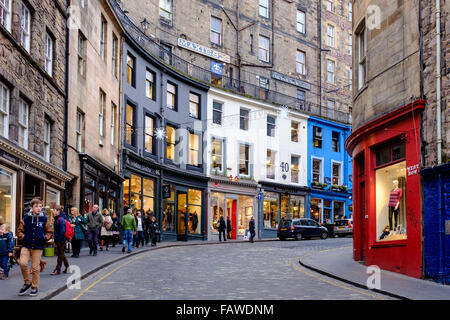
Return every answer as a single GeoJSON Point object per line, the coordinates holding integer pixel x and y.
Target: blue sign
{"type": "Point", "coordinates": [217, 68]}
{"type": "Point", "coordinates": [260, 196]}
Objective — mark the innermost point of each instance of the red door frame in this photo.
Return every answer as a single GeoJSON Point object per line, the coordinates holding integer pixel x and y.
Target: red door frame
{"type": "Point", "coordinates": [403, 256]}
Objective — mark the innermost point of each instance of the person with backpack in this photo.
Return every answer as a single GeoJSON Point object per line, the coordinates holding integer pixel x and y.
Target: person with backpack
{"type": "Point", "coordinates": [34, 231]}
{"type": "Point", "coordinates": [106, 232]}
{"type": "Point", "coordinates": [78, 222]}
{"type": "Point", "coordinates": [59, 228]}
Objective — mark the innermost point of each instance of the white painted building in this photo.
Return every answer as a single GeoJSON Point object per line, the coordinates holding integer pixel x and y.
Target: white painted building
{"type": "Point", "coordinates": [253, 147]}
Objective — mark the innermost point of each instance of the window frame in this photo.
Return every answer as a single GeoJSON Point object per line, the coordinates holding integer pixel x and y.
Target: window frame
{"type": "Point", "coordinates": [102, 113]}
{"type": "Point", "coordinates": [302, 69]}
{"type": "Point", "coordinates": [331, 35]}
{"type": "Point", "coordinates": [81, 54]}
{"type": "Point", "coordinates": [216, 32]}
{"type": "Point", "coordinates": [338, 163]}
{"type": "Point", "coordinates": [303, 25]}
{"type": "Point", "coordinates": [331, 73]}
{"type": "Point", "coordinates": [147, 115]}
{"type": "Point", "coordinates": [270, 167]}
{"type": "Point", "coordinates": [6, 23]}
{"type": "Point", "coordinates": [114, 55]}
{"type": "Point", "coordinates": [192, 148]}
{"type": "Point", "coordinates": [23, 126]}
{"type": "Point", "coordinates": [79, 131]}
{"type": "Point", "coordinates": [330, 5]}
{"type": "Point", "coordinates": [216, 111]}
{"type": "Point", "coordinates": [336, 142]}
{"type": "Point", "coordinates": [113, 123]}
{"type": "Point", "coordinates": [320, 172]}
{"type": "Point", "coordinates": [222, 155]}
{"type": "Point", "coordinates": [317, 136]}
{"type": "Point", "coordinates": [263, 50]}
{"type": "Point", "coordinates": [245, 144]}
{"type": "Point", "coordinates": [265, 7]}
{"type": "Point", "coordinates": [245, 118]}
{"type": "Point", "coordinates": [170, 143]}
{"type": "Point", "coordinates": [5, 102]}
{"type": "Point", "coordinates": [362, 56]}
{"type": "Point", "coordinates": [131, 70]}
{"type": "Point", "coordinates": [132, 143]}
{"type": "Point", "coordinates": [295, 130]}
{"type": "Point", "coordinates": [196, 104]}
{"type": "Point", "coordinates": [25, 27]}
{"type": "Point", "coordinates": [49, 53]}
{"type": "Point", "coordinates": [271, 126]}
{"type": "Point", "coordinates": [152, 83]}
{"type": "Point", "coordinates": [103, 37]}
{"type": "Point", "coordinates": [165, 10]}
{"type": "Point", "coordinates": [295, 170]}
{"type": "Point", "coordinates": [174, 107]}
{"type": "Point", "coordinates": [47, 139]}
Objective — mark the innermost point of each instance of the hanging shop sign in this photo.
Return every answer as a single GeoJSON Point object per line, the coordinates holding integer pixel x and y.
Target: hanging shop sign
{"type": "Point", "coordinates": [290, 80]}
{"type": "Point", "coordinates": [183, 43]}
{"type": "Point", "coordinates": [166, 191]}
{"type": "Point", "coordinates": [217, 68]}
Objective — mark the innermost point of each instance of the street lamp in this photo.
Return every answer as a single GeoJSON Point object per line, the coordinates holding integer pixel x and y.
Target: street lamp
{"type": "Point", "coordinates": [145, 24]}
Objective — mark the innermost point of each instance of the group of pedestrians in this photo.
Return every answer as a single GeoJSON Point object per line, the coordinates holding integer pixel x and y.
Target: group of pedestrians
{"type": "Point", "coordinates": [222, 226]}
{"type": "Point", "coordinates": [101, 230]}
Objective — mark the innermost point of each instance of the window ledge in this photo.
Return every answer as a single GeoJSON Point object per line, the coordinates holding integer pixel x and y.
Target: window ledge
{"type": "Point", "coordinates": [387, 244]}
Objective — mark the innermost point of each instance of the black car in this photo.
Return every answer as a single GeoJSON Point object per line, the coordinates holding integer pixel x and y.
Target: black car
{"type": "Point", "coordinates": [300, 228]}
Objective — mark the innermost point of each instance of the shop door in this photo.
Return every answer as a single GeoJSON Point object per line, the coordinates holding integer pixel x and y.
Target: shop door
{"type": "Point", "coordinates": [232, 215]}
{"type": "Point", "coordinates": [362, 219]}
{"type": "Point", "coordinates": [181, 215]}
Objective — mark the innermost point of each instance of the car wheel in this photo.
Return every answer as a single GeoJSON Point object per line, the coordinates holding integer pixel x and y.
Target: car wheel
{"type": "Point", "coordinates": [282, 238]}
{"type": "Point", "coordinates": [324, 235]}
{"type": "Point", "coordinates": [298, 236]}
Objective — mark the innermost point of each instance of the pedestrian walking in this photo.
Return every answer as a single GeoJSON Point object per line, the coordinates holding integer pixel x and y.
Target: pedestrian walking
{"type": "Point", "coordinates": [129, 227]}
{"type": "Point", "coordinates": [94, 223]}
{"type": "Point", "coordinates": [140, 229]}
{"type": "Point", "coordinates": [154, 231]}
{"type": "Point", "coordinates": [78, 223]}
{"type": "Point", "coordinates": [6, 249]}
{"type": "Point", "coordinates": [228, 228]}
{"type": "Point", "coordinates": [147, 222]}
{"type": "Point", "coordinates": [251, 228]}
{"type": "Point", "coordinates": [106, 232]}
{"type": "Point", "coordinates": [59, 230]}
{"type": "Point", "coordinates": [34, 231]}
{"type": "Point", "coordinates": [115, 229]}
{"type": "Point", "coordinates": [221, 228]}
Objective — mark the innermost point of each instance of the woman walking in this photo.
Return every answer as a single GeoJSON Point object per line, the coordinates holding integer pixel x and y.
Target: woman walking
{"type": "Point", "coordinates": [78, 222]}
{"type": "Point", "coordinates": [222, 227]}
{"type": "Point", "coordinates": [154, 230]}
{"type": "Point", "coordinates": [115, 229]}
{"type": "Point", "coordinates": [106, 232]}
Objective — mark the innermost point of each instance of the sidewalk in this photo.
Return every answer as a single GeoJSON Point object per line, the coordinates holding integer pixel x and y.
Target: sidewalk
{"type": "Point", "coordinates": [339, 264]}
{"type": "Point", "coordinates": [50, 285]}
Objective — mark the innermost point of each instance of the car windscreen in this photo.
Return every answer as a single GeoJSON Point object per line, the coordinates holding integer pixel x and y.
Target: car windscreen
{"type": "Point", "coordinates": [286, 223]}
{"type": "Point", "coordinates": [341, 223]}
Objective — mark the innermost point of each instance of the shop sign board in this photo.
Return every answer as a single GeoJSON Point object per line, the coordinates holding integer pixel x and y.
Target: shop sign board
{"type": "Point", "coordinates": [166, 191]}
{"type": "Point", "coordinates": [192, 46]}
{"type": "Point", "coordinates": [412, 170]}
{"type": "Point", "coordinates": [290, 80]}
{"type": "Point", "coordinates": [217, 68]}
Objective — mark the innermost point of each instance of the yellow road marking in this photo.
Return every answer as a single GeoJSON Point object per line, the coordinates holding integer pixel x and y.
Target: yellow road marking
{"type": "Point", "coordinates": [105, 276]}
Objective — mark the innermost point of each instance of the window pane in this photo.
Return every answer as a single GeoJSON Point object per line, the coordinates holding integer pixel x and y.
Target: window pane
{"type": "Point", "coordinates": [149, 187]}
{"type": "Point", "coordinates": [216, 154]}
{"type": "Point", "coordinates": [136, 184]}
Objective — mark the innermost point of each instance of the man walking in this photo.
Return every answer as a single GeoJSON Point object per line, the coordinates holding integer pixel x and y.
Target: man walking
{"type": "Point", "coordinates": [128, 227]}
{"type": "Point", "coordinates": [59, 230]}
{"type": "Point", "coordinates": [94, 223]}
{"type": "Point", "coordinates": [251, 228]}
{"type": "Point", "coordinates": [34, 231]}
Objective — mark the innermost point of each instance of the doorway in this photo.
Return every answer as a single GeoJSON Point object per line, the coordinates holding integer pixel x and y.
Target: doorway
{"type": "Point", "coordinates": [232, 216]}
{"type": "Point", "coordinates": [181, 197]}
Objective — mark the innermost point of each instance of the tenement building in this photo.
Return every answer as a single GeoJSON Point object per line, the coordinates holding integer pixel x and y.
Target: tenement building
{"type": "Point", "coordinates": [32, 105]}
{"type": "Point", "coordinates": [400, 126]}
{"type": "Point", "coordinates": [94, 111]}
{"type": "Point", "coordinates": [276, 51]}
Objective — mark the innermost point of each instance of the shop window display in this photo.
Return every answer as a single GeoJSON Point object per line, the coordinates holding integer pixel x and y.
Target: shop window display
{"type": "Point", "coordinates": [297, 207]}
{"type": "Point", "coordinates": [7, 199]}
{"type": "Point", "coordinates": [139, 194]}
{"type": "Point", "coordinates": [245, 213]}
{"type": "Point", "coordinates": [316, 209]}
{"type": "Point", "coordinates": [270, 208]}
{"type": "Point", "coordinates": [217, 208]}
{"type": "Point", "coordinates": [168, 223]}
{"type": "Point", "coordinates": [285, 213]}
{"type": "Point", "coordinates": [195, 211]}
{"type": "Point", "coordinates": [391, 202]}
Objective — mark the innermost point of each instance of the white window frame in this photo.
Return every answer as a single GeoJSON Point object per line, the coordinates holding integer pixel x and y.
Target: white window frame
{"type": "Point", "coordinates": [23, 123]}
{"type": "Point", "coordinates": [246, 118]}
{"type": "Point", "coordinates": [298, 131]}
{"type": "Point", "coordinates": [269, 164]}
{"type": "Point", "coordinates": [4, 108]}
{"type": "Point", "coordinates": [215, 31]}
{"type": "Point", "coordinates": [330, 5]}
{"type": "Point", "coordinates": [47, 139]}
{"type": "Point", "coordinates": [300, 66]}
{"type": "Point", "coordinates": [362, 60]}
{"type": "Point", "coordinates": [113, 123]}
{"type": "Point", "coordinates": [165, 9]}
{"type": "Point", "coordinates": [103, 37]}
{"type": "Point", "coordinates": [114, 51]}
{"type": "Point", "coordinates": [5, 10]}
{"type": "Point", "coordinates": [79, 131]}
{"type": "Point", "coordinates": [148, 132]}
{"type": "Point", "coordinates": [49, 54]}
{"type": "Point", "coordinates": [350, 11]}
{"type": "Point", "coordinates": [330, 35]}
{"type": "Point", "coordinates": [218, 111]}
{"type": "Point", "coordinates": [299, 162]}
{"type": "Point", "coordinates": [301, 21]}
{"type": "Point", "coordinates": [25, 27]}
{"type": "Point", "coordinates": [333, 162]}
{"type": "Point", "coordinates": [263, 8]}
{"type": "Point", "coordinates": [81, 54]}
{"type": "Point", "coordinates": [101, 114]}
{"type": "Point", "coordinates": [194, 154]}
{"type": "Point", "coordinates": [263, 52]}
{"type": "Point", "coordinates": [222, 155]}
{"type": "Point", "coordinates": [273, 132]}
{"type": "Point", "coordinates": [249, 159]}
{"type": "Point", "coordinates": [321, 168]}
{"type": "Point", "coordinates": [331, 69]}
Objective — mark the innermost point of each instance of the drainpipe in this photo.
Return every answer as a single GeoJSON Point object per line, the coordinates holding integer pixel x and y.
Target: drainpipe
{"type": "Point", "coordinates": [438, 81]}
{"type": "Point", "coordinates": [66, 100]}
{"type": "Point", "coordinates": [319, 31]}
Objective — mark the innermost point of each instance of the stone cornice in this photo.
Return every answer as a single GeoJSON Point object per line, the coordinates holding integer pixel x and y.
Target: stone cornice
{"type": "Point", "coordinates": [34, 160]}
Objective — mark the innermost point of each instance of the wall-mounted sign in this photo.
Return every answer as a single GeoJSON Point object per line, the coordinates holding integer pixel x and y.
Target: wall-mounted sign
{"type": "Point", "coordinates": [217, 68]}
{"type": "Point", "coordinates": [203, 50]}
{"type": "Point", "coordinates": [327, 180]}
{"type": "Point", "coordinates": [412, 170]}
{"type": "Point", "coordinates": [166, 191]}
{"type": "Point", "coordinates": [284, 167]}
{"type": "Point", "coordinates": [290, 80]}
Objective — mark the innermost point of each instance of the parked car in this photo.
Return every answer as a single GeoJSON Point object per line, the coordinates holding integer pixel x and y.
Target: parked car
{"type": "Point", "coordinates": [301, 228]}
{"type": "Point", "coordinates": [343, 227]}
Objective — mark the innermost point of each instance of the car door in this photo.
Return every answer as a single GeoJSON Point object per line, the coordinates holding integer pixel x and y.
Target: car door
{"type": "Point", "coordinates": [306, 228]}
{"type": "Point", "coordinates": [315, 230]}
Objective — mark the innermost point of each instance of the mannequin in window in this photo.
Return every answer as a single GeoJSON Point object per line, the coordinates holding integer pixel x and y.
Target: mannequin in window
{"type": "Point", "coordinates": [394, 205]}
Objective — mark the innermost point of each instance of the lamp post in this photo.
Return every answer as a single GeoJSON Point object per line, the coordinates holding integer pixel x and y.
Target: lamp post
{"type": "Point", "coordinates": [145, 24]}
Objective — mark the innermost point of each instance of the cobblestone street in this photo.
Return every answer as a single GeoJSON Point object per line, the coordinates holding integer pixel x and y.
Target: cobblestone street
{"type": "Point", "coordinates": [262, 270]}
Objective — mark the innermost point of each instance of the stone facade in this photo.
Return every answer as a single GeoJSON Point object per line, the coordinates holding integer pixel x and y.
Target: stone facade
{"type": "Point", "coordinates": [85, 88]}
{"type": "Point", "coordinates": [242, 25]}
{"type": "Point", "coordinates": [23, 72]}
{"type": "Point", "coordinates": [429, 51]}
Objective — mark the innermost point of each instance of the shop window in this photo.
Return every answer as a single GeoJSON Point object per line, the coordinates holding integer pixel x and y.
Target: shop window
{"type": "Point", "coordinates": [195, 211]}
{"type": "Point", "coordinates": [217, 154]}
{"type": "Point", "coordinates": [7, 197]}
{"type": "Point", "coordinates": [326, 212]}
{"type": "Point", "coordinates": [317, 137]}
{"type": "Point", "coordinates": [270, 164]}
{"type": "Point", "coordinates": [141, 195]}
{"type": "Point", "coordinates": [338, 210]}
{"type": "Point", "coordinates": [245, 213]}
{"type": "Point", "coordinates": [168, 223]}
{"type": "Point", "coordinates": [391, 202]}
{"type": "Point", "coordinates": [285, 213]}
{"type": "Point", "coordinates": [297, 207]}
{"type": "Point", "coordinates": [270, 210]}
{"type": "Point", "coordinates": [217, 208]}
{"type": "Point", "coordinates": [316, 209]}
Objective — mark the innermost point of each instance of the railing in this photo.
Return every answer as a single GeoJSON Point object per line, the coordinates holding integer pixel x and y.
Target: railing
{"type": "Point", "coordinates": [240, 87]}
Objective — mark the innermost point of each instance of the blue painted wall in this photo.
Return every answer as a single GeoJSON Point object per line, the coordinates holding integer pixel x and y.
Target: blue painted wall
{"type": "Point", "coordinates": [436, 212]}
{"type": "Point", "coordinates": [327, 155]}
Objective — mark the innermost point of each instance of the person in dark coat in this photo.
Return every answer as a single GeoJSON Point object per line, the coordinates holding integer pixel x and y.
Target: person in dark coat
{"type": "Point", "coordinates": [59, 229]}
{"type": "Point", "coordinates": [251, 228]}
{"type": "Point", "coordinates": [222, 227]}
{"type": "Point", "coordinates": [78, 223]}
{"type": "Point", "coordinates": [154, 230]}
{"type": "Point", "coordinates": [147, 222]}
{"type": "Point", "coordinates": [115, 229]}
{"type": "Point", "coordinates": [228, 228]}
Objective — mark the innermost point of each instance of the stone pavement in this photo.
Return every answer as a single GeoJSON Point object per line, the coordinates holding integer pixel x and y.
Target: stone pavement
{"type": "Point", "coordinates": [339, 264]}
{"type": "Point", "coordinates": [50, 285]}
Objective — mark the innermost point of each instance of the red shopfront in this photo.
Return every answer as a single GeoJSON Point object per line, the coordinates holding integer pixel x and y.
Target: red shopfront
{"type": "Point", "coordinates": [387, 191]}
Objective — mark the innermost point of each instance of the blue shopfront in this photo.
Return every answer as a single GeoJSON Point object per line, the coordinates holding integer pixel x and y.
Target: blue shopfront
{"type": "Point", "coordinates": [329, 171]}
